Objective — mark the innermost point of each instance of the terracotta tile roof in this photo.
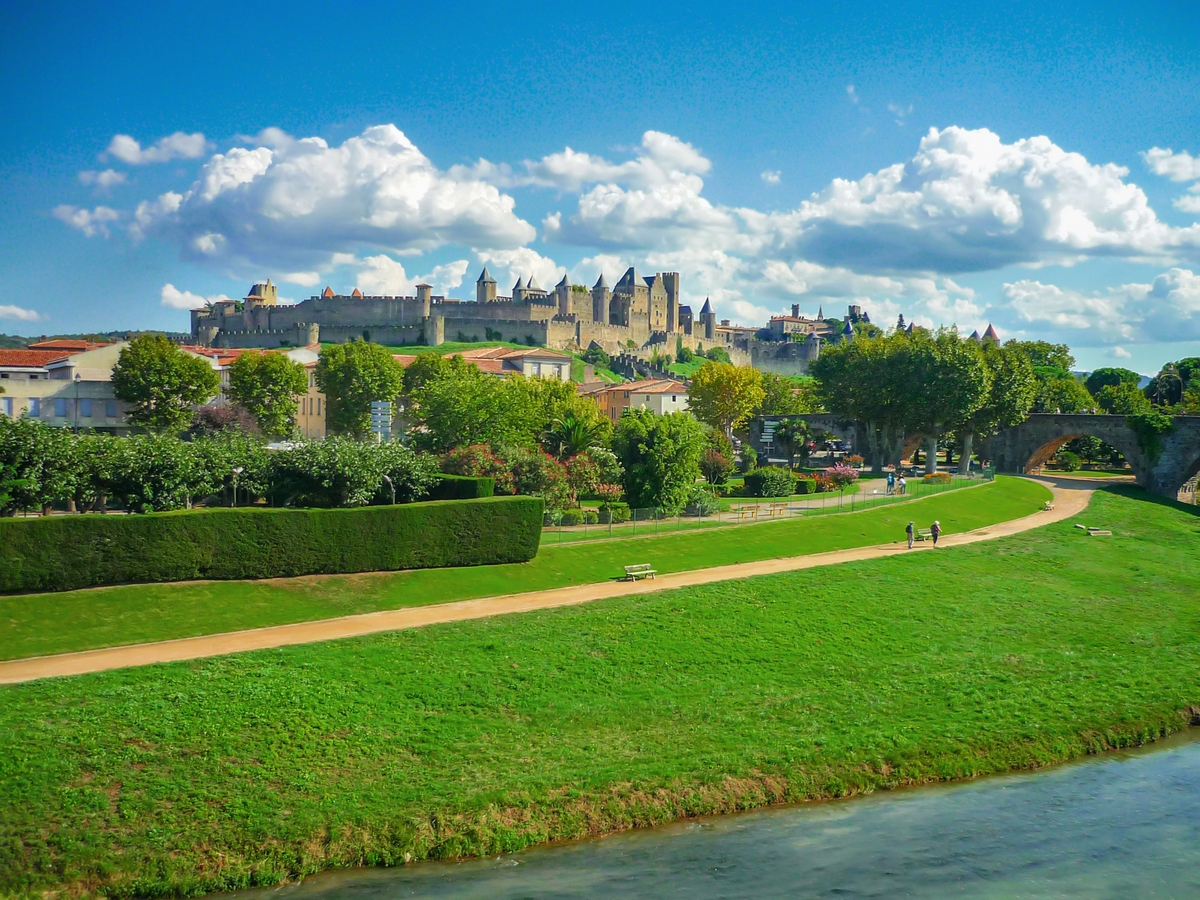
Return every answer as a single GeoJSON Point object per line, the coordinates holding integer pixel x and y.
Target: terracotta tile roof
{"type": "Point", "coordinates": [31, 358]}
{"type": "Point", "coordinates": [68, 345]}
{"type": "Point", "coordinates": [656, 386]}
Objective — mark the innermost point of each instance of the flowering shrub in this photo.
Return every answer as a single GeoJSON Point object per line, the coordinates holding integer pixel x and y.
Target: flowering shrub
{"type": "Point", "coordinates": [538, 474]}
{"type": "Point", "coordinates": [583, 475]}
{"type": "Point", "coordinates": [479, 461]}
{"type": "Point", "coordinates": [937, 478]}
{"type": "Point", "coordinates": [715, 467]}
{"type": "Point", "coordinates": [855, 460]}
{"type": "Point", "coordinates": [841, 476]}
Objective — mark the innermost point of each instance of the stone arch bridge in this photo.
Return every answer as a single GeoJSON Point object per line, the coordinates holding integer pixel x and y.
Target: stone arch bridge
{"type": "Point", "coordinates": [1030, 445]}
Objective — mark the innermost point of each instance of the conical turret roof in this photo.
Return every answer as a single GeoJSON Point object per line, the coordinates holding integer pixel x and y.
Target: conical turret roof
{"type": "Point", "coordinates": [974, 336]}
{"type": "Point", "coordinates": [990, 334]}
{"type": "Point", "coordinates": [520, 285]}
{"type": "Point", "coordinates": [631, 278]}
{"type": "Point", "coordinates": [328, 292]}
{"type": "Point", "coordinates": [485, 277]}
{"type": "Point", "coordinates": [566, 282]}
{"type": "Point", "coordinates": [532, 284]}
{"type": "Point", "coordinates": [707, 310]}
{"type": "Point", "coordinates": [601, 283]}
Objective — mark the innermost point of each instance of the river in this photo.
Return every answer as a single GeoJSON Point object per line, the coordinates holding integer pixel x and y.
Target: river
{"type": "Point", "coordinates": [1115, 826]}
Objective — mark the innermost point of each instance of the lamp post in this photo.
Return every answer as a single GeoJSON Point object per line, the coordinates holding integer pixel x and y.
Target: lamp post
{"type": "Point", "coordinates": [237, 470]}
{"type": "Point", "coordinates": [392, 486]}
{"type": "Point", "coordinates": [78, 378]}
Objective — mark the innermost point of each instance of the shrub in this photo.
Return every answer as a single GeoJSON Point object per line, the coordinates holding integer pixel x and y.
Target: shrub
{"type": "Point", "coordinates": [715, 467]}
{"type": "Point", "coordinates": [461, 487]}
{"type": "Point", "coordinates": [854, 460]}
{"type": "Point", "coordinates": [1069, 461]}
{"type": "Point", "coordinates": [806, 484]}
{"type": "Point", "coordinates": [571, 517]}
{"type": "Point", "coordinates": [479, 461]}
{"type": "Point", "coordinates": [841, 476]}
{"type": "Point", "coordinates": [937, 478]}
{"type": "Point", "coordinates": [338, 471]}
{"type": "Point", "coordinates": [701, 502]}
{"type": "Point", "coordinates": [538, 474]}
{"type": "Point", "coordinates": [68, 552]}
{"type": "Point", "coordinates": [616, 513]}
{"type": "Point", "coordinates": [591, 517]}
{"type": "Point", "coordinates": [771, 481]}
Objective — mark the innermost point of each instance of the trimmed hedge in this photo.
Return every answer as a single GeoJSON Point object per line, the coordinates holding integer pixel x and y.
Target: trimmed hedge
{"type": "Point", "coordinates": [60, 553]}
{"type": "Point", "coordinates": [462, 487]}
{"type": "Point", "coordinates": [771, 481]}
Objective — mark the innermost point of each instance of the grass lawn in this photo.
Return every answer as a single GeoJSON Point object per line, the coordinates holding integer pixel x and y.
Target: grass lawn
{"type": "Point", "coordinates": [486, 736]}
{"type": "Point", "coordinates": [686, 369]}
{"type": "Point", "coordinates": [78, 620]}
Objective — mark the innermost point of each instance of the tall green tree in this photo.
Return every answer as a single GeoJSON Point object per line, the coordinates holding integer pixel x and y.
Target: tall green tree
{"type": "Point", "coordinates": [787, 396]}
{"type": "Point", "coordinates": [949, 383]}
{"type": "Point", "coordinates": [725, 396]}
{"type": "Point", "coordinates": [1105, 376]}
{"type": "Point", "coordinates": [268, 386]}
{"type": "Point", "coordinates": [162, 383]}
{"type": "Point", "coordinates": [352, 376]}
{"type": "Point", "coordinates": [1012, 388]}
{"type": "Point", "coordinates": [1124, 399]}
{"type": "Point", "coordinates": [1044, 353]}
{"type": "Point", "coordinates": [661, 456]}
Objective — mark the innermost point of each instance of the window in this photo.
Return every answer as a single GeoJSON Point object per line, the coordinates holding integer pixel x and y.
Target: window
{"type": "Point", "coordinates": [6, 405]}
{"type": "Point", "coordinates": [35, 407]}
{"type": "Point", "coordinates": [110, 409]}
{"type": "Point", "coordinates": [85, 407]}
{"type": "Point", "coordinates": [3, 374]}
{"type": "Point", "coordinates": [33, 377]}
{"type": "Point", "coordinates": [318, 406]}
{"type": "Point", "coordinates": [60, 408]}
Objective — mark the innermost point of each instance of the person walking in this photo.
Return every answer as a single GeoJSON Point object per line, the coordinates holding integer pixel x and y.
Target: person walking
{"type": "Point", "coordinates": [911, 534]}
{"type": "Point", "coordinates": [902, 484]}
{"type": "Point", "coordinates": [891, 482]}
{"type": "Point", "coordinates": [935, 531]}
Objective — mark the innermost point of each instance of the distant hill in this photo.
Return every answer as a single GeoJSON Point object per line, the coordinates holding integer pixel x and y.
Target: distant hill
{"type": "Point", "coordinates": [17, 342]}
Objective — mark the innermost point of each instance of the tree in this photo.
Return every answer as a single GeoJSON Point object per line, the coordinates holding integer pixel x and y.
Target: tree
{"type": "Point", "coordinates": [717, 354]}
{"type": "Point", "coordinates": [1124, 399]}
{"type": "Point", "coordinates": [1065, 394]}
{"type": "Point", "coordinates": [725, 396]}
{"type": "Point", "coordinates": [338, 471]}
{"type": "Point", "coordinates": [268, 386]}
{"type": "Point", "coordinates": [161, 382]}
{"type": "Point", "coordinates": [37, 461]}
{"type": "Point", "coordinates": [949, 384]}
{"type": "Point", "coordinates": [787, 396]}
{"type": "Point", "coordinates": [1166, 388]}
{"type": "Point", "coordinates": [1012, 388]}
{"type": "Point", "coordinates": [792, 435]}
{"type": "Point", "coordinates": [159, 472]}
{"type": "Point", "coordinates": [571, 434]}
{"type": "Point", "coordinates": [1043, 353]}
{"type": "Point", "coordinates": [1104, 377]}
{"type": "Point", "coordinates": [661, 456]}
{"type": "Point", "coordinates": [352, 376]}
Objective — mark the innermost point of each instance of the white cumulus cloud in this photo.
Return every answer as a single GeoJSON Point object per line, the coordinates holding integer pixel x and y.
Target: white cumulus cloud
{"type": "Point", "coordinates": [8, 311]}
{"type": "Point", "coordinates": [1181, 166]}
{"type": "Point", "coordinates": [91, 222]}
{"type": "Point", "coordinates": [383, 276]}
{"type": "Point", "coordinates": [177, 299]}
{"type": "Point", "coordinates": [771, 176]}
{"type": "Point", "coordinates": [102, 180]}
{"type": "Point", "coordinates": [173, 146]}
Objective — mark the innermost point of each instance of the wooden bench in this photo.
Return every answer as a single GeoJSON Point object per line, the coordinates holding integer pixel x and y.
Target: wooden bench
{"type": "Point", "coordinates": [924, 534]}
{"type": "Point", "coordinates": [748, 512]}
{"type": "Point", "coordinates": [641, 570]}
{"type": "Point", "coordinates": [777, 509]}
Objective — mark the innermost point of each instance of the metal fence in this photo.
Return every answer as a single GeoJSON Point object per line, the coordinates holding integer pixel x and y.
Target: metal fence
{"type": "Point", "coordinates": [866, 494]}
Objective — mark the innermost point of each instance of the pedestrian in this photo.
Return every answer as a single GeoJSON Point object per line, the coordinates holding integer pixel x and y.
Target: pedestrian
{"type": "Point", "coordinates": [891, 483]}
{"type": "Point", "coordinates": [902, 484]}
{"type": "Point", "coordinates": [911, 534]}
{"type": "Point", "coordinates": [935, 531]}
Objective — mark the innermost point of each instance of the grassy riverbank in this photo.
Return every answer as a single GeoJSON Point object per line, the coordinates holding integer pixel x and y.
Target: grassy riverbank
{"type": "Point", "coordinates": [80, 620]}
{"type": "Point", "coordinates": [490, 735]}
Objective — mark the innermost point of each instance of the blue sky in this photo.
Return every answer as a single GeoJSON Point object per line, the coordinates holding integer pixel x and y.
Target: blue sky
{"type": "Point", "coordinates": [1007, 163]}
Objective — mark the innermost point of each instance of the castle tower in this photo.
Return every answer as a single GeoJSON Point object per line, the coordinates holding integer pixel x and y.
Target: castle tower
{"type": "Point", "coordinates": [991, 335]}
{"type": "Point", "coordinates": [262, 295]}
{"type": "Point", "coordinates": [425, 296]}
{"type": "Point", "coordinates": [708, 319]}
{"type": "Point", "coordinates": [562, 293]}
{"type": "Point", "coordinates": [812, 346]}
{"type": "Point", "coordinates": [518, 291]}
{"type": "Point", "coordinates": [601, 296]}
{"type": "Point", "coordinates": [485, 288]}
{"type": "Point", "coordinates": [671, 285]}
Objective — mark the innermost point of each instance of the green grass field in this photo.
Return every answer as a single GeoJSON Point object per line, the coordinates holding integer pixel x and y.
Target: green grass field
{"type": "Point", "coordinates": [486, 736]}
{"type": "Point", "coordinates": [79, 620]}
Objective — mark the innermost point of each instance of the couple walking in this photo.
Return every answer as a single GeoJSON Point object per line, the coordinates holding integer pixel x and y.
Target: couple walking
{"type": "Point", "coordinates": [894, 484]}
{"type": "Point", "coordinates": [935, 532]}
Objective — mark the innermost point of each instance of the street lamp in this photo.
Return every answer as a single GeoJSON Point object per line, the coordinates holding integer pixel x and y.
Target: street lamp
{"type": "Point", "coordinates": [78, 378]}
{"type": "Point", "coordinates": [237, 470]}
{"type": "Point", "coordinates": [393, 487]}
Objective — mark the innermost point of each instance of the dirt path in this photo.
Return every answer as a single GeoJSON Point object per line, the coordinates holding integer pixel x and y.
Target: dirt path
{"type": "Point", "coordinates": [1070, 498]}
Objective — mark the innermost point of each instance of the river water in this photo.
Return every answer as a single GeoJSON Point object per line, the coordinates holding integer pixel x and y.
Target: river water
{"type": "Point", "coordinates": [1116, 826]}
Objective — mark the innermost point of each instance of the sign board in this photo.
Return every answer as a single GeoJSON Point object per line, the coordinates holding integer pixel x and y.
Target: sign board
{"type": "Point", "coordinates": [381, 419]}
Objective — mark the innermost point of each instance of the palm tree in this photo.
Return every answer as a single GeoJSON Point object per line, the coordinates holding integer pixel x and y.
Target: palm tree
{"type": "Point", "coordinates": [791, 435]}
{"type": "Point", "coordinates": [569, 435]}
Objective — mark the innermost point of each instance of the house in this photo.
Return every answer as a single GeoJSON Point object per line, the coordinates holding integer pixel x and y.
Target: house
{"type": "Point", "coordinates": [531, 362]}
{"type": "Point", "coordinates": [661, 395]}
{"type": "Point", "coordinates": [63, 383]}
{"type": "Point", "coordinates": [310, 409]}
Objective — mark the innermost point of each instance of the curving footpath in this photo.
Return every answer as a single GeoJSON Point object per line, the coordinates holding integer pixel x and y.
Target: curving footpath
{"type": "Point", "coordinates": [1070, 498]}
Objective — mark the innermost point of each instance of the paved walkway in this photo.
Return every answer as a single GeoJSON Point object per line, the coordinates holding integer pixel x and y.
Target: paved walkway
{"type": "Point", "coordinates": [1070, 498]}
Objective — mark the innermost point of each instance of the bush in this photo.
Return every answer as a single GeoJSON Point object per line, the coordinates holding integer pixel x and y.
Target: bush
{"type": "Point", "coordinates": [937, 478]}
{"type": "Point", "coordinates": [571, 517]}
{"type": "Point", "coordinates": [61, 553]}
{"type": "Point", "coordinates": [479, 461]}
{"type": "Point", "coordinates": [806, 485]}
{"type": "Point", "coordinates": [616, 513]}
{"type": "Point", "coordinates": [771, 481]}
{"type": "Point", "coordinates": [1068, 461]}
{"type": "Point", "coordinates": [591, 517]}
{"type": "Point", "coordinates": [701, 502]}
{"type": "Point", "coordinates": [461, 487]}
{"type": "Point", "coordinates": [538, 474]}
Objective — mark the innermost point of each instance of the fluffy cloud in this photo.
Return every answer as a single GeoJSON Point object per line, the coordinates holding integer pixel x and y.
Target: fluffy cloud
{"type": "Point", "coordinates": [8, 311]}
{"type": "Point", "coordinates": [91, 222]}
{"type": "Point", "coordinates": [177, 299]}
{"type": "Point", "coordinates": [1167, 309]}
{"type": "Point", "coordinates": [771, 176]}
{"type": "Point", "coordinates": [293, 206]}
{"type": "Point", "coordinates": [506, 266]}
{"type": "Point", "coordinates": [382, 275]}
{"type": "Point", "coordinates": [102, 180]}
{"type": "Point", "coordinates": [173, 146]}
{"type": "Point", "coordinates": [1181, 166]}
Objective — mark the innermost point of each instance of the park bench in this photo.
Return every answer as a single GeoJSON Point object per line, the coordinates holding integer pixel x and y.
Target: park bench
{"type": "Point", "coordinates": [924, 534]}
{"type": "Point", "coordinates": [748, 512]}
{"type": "Point", "coordinates": [777, 509]}
{"type": "Point", "coordinates": [1093, 531]}
{"type": "Point", "coordinates": [641, 570]}
{"type": "Point", "coordinates": [1049, 506]}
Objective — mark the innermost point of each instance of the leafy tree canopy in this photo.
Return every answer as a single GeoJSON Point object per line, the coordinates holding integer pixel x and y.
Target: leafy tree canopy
{"type": "Point", "coordinates": [661, 457]}
{"type": "Point", "coordinates": [725, 396]}
{"type": "Point", "coordinates": [1124, 399]}
{"type": "Point", "coordinates": [351, 376]}
{"type": "Point", "coordinates": [1045, 354]}
{"type": "Point", "coordinates": [1109, 376]}
{"type": "Point", "coordinates": [162, 383]}
{"type": "Point", "coordinates": [268, 386]}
